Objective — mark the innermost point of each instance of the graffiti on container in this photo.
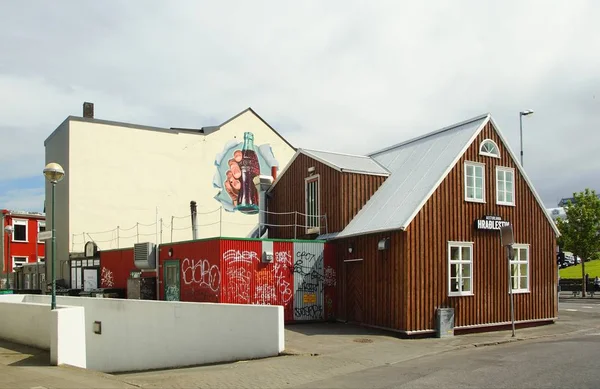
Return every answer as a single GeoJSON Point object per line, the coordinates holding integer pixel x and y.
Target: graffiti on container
{"type": "Point", "coordinates": [282, 266]}
{"type": "Point", "coordinates": [238, 284]}
{"type": "Point", "coordinates": [310, 287]}
{"type": "Point", "coordinates": [172, 293]}
{"type": "Point", "coordinates": [265, 295]}
{"type": "Point", "coordinates": [240, 256]}
{"type": "Point", "coordinates": [330, 278]}
{"type": "Point", "coordinates": [309, 312]}
{"type": "Point", "coordinates": [106, 278]}
{"type": "Point", "coordinates": [307, 265]}
{"type": "Point", "coordinates": [201, 272]}
{"type": "Point", "coordinates": [283, 258]}
{"type": "Point", "coordinates": [329, 302]}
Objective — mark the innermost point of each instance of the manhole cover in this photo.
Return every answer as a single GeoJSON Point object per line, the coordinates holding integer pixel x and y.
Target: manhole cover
{"type": "Point", "coordinates": [363, 340]}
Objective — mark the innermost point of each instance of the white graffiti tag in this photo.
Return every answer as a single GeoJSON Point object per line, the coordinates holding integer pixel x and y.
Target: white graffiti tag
{"type": "Point", "coordinates": [201, 272]}
{"type": "Point", "coordinates": [240, 256]}
{"type": "Point", "coordinates": [265, 295]}
{"type": "Point", "coordinates": [238, 284]}
{"type": "Point", "coordinates": [330, 279]}
{"type": "Point", "coordinates": [283, 265]}
{"type": "Point", "coordinates": [106, 278]}
{"type": "Point", "coordinates": [284, 258]}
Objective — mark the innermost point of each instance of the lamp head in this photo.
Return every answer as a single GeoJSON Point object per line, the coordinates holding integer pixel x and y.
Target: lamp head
{"type": "Point", "coordinates": [9, 230]}
{"type": "Point", "coordinates": [526, 112]}
{"type": "Point", "coordinates": [54, 172]}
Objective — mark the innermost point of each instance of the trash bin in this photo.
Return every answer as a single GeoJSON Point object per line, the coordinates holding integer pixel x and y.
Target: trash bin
{"type": "Point", "coordinates": [444, 323]}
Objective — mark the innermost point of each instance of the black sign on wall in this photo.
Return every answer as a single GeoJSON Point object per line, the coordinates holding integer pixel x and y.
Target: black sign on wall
{"type": "Point", "coordinates": [490, 223]}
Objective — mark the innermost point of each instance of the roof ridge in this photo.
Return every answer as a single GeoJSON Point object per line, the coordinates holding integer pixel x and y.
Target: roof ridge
{"type": "Point", "coordinates": [338, 153]}
{"type": "Point", "coordinates": [420, 137]}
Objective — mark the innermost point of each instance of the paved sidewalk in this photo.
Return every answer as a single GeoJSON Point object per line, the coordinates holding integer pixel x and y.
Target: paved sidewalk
{"type": "Point", "coordinates": [314, 352]}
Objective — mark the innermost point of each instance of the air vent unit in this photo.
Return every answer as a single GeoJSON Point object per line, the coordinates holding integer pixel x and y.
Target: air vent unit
{"type": "Point", "coordinates": [144, 255]}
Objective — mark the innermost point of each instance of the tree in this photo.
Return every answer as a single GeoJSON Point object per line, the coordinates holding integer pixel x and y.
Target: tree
{"type": "Point", "coordinates": [580, 231]}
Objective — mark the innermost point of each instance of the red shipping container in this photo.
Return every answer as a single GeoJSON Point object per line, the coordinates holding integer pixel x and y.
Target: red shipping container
{"type": "Point", "coordinates": [115, 267]}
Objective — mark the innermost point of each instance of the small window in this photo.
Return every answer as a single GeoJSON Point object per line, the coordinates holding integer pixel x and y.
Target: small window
{"type": "Point", "coordinates": [489, 148]}
{"type": "Point", "coordinates": [460, 268]}
{"type": "Point", "coordinates": [519, 268]}
{"type": "Point", "coordinates": [20, 230]}
{"type": "Point", "coordinates": [474, 182]}
{"type": "Point", "coordinates": [18, 262]}
{"type": "Point", "coordinates": [313, 220]}
{"type": "Point", "coordinates": [42, 259]}
{"type": "Point", "coordinates": [41, 228]}
{"type": "Point", "coordinates": [505, 186]}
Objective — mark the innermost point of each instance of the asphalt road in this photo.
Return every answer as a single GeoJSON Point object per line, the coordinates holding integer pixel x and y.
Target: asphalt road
{"type": "Point", "coordinates": [558, 363]}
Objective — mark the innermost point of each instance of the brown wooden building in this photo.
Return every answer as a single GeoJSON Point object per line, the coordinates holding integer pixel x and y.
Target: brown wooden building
{"type": "Point", "coordinates": [416, 228]}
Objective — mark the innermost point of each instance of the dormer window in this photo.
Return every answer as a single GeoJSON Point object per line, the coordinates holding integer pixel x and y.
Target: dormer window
{"type": "Point", "coordinates": [489, 148]}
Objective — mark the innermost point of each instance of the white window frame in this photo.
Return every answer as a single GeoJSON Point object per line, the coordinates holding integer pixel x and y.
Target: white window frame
{"type": "Point", "coordinates": [315, 223]}
{"type": "Point", "coordinates": [39, 224]}
{"type": "Point", "coordinates": [486, 153]}
{"type": "Point", "coordinates": [41, 259]}
{"type": "Point", "coordinates": [20, 222]}
{"type": "Point", "coordinates": [459, 262]}
{"type": "Point", "coordinates": [498, 186]}
{"type": "Point", "coordinates": [517, 262]}
{"type": "Point", "coordinates": [475, 165]}
{"type": "Point", "coordinates": [14, 263]}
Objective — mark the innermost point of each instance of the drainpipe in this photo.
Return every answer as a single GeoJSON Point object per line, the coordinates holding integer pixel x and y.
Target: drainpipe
{"type": "Point", "coordinates": [262, 183]}
{"type": "Point", "coordinates": [194, 213]}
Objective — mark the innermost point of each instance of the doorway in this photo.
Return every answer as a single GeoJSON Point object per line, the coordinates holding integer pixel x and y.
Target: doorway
{"type": "Point", "coordinates": [171, 283]}
{"type": "Point", "coordinates": [354, 290]}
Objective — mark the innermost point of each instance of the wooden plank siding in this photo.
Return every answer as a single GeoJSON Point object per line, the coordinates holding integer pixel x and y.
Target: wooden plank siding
{"type": "Point", "coordinates": [446, 216]}
{"type": "Point", "coordinates": [341, 196]}
{"type": "Point", "coordinates": [383, 274]}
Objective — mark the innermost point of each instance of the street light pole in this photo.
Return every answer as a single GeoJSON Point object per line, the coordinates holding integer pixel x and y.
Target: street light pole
{"type": "Point", "coordinates": [521, 114]}
{"type": "Point", "coordinates": [54, 173]}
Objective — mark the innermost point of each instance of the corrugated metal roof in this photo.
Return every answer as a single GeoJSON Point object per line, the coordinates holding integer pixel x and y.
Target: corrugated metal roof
{"type": "Point", "coordinates": [348, 163]}
{"type": "Point", "coordinates": [417, 167]}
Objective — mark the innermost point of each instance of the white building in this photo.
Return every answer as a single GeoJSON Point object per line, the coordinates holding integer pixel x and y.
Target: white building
{"type": "Point", "coordinates": [126, 183]}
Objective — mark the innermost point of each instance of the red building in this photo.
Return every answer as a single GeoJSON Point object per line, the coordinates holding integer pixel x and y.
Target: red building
{"type": "Point", "coordinates": [22, 246]}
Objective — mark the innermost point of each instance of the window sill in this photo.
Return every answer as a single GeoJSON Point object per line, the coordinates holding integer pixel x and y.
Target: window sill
{"type": "Point", "coordinates": [506, 204]}
{"type": "Point", "coordinates": [19, 241]}
{"type": "Point", "coordinates": [475, 201]}
{"type": "Point", "coordinates": [465, 294]}
{"type": "Point", "coordinates": [520, 292]}
{"type": "Point", "coordinates": [489, 155]}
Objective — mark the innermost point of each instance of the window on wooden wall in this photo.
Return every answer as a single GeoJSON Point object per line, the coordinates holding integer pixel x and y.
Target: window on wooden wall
{"type": "Point", "coordinates": [489, 148]}
{"type": "Point", "coordinates": [460, 268]}
{"type": "Point", "coordinates": [505, 186]}
{"type": "Point", "coordinates": [20, 230]}
{"type": "Point", "coordinates": [474, 182]}
{"type": "Point", "coordinates": [313, 218]}
{"type": "Point", "coordinates": [519, 268]}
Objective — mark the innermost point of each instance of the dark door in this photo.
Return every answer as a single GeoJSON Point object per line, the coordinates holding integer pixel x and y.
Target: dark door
{"type": "Point", "coordinates": [354, 291]}
{"type": "Point", "coordinates": [171, 280]}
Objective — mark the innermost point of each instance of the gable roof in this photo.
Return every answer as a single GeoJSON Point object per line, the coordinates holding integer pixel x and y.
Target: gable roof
{"type": "Point", "coordinates": [348, 163]}
{"type": "Point", "coordinates": [418, 167]}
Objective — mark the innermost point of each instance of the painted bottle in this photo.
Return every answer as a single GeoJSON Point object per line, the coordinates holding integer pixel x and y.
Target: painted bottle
{"type": "Point", "coordinates": [249, 165]}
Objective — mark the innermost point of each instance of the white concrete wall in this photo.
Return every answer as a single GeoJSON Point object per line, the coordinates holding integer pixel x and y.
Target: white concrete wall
{"type": "Point", "coordinates": [117, 176]}
{"type": "Point", "coordinates": [67, 337]}
{"type": "Point", "coordinates": [139, 335]}
{"type": "Point", "coordinates": [57, 150]}
{"type": "Point", "coordinates": [25, 323]}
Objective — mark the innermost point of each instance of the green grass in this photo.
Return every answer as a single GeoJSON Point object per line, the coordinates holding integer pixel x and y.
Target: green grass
{"type": "Point", "coordinates": [592, 268]}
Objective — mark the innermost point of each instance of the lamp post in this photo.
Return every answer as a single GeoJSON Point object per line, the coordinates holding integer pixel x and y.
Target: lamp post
{"type": "Point", "coordinates": [53, 173]}
{"type": "Point", "coordinates": [9, 230]}
{"type": "Point", "coordinates": [521, 114]}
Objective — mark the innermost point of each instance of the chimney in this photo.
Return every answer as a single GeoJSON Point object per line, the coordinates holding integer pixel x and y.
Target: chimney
{"type": "Point", "coordinates": [88, 110]}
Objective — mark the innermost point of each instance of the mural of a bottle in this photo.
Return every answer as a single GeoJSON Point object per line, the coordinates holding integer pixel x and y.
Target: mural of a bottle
{"type": "Point", "coordinates": [249, 165]}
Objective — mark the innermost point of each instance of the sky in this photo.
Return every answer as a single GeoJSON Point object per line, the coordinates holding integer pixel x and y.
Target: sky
{"type": "Point", "coordinates": [347, 76]}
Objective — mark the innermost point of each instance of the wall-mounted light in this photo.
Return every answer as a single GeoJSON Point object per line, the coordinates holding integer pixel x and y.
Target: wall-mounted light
{"type": "Point", "coordinates": [171, 252]}
{"type": "Point", "coordinates": [311, 170]}
{"type": "Point", "coordinates": [383, 244]}
{"type": "Point", "coordinates": [350, 249]}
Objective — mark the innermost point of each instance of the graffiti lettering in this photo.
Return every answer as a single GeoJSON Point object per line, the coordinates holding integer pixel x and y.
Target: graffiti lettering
{"type": "Point", "coordinates": [240, 256]}
{"type": "Point", "coordinates": [283, 263]}
{"type": "Point", "coordinates": [308, 287]}
{"type": "Point", "coordinates": [172, 293]}
{"type": "Point", "coordinates": [330, 278]}
{"type": "Point", "coordinates": [201, 272]}
{"type": "Point", "coordinates": [265, 295]}
{"type": "Point", "coordinates": [106, 278]}
{"type": "Point", "coordinates": [284, 258]}
{"type": "Point", "coordinates": [310, 312]}
{"type": "Point", "coordinates": [238, 284]}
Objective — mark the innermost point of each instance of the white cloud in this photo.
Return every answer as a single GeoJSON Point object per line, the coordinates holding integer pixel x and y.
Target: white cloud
{"type": "Point", "coordinates": [345, 76]}
{"type": "Point", "coordinates": [23, 199]}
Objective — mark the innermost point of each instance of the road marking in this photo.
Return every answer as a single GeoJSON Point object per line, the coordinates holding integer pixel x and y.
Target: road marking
{"type": "Point", "coordinates": [571, 310]}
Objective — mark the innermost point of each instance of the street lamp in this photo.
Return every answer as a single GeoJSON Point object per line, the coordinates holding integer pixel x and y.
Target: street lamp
{"type": "Point", "coordinates": [521, 114]}
{"type": "Point", "coordinates": [9, 230]}
{"type": "Point", "coordinates": [53, 173]}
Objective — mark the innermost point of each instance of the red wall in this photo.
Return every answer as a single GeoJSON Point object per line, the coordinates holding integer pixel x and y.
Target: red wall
{"type": "Point", "coordinates": [115, 266]}
{"type": "Point", "coordinates": [30, 249]}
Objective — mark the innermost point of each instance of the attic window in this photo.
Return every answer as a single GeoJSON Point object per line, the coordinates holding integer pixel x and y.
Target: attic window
{"type": "Point", "coordinates": [489, 148]}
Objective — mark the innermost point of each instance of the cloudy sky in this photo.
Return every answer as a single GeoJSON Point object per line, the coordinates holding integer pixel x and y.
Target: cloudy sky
{"type": "Point", "coordinates": [339, 75]}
